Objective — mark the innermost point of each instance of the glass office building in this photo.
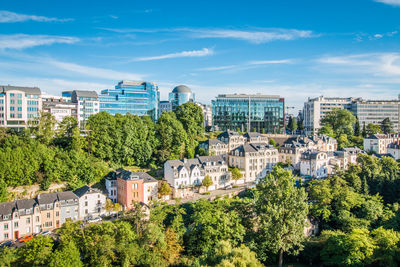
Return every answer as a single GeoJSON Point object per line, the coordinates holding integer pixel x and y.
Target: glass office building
{"type": "Point", "coordinates": [180, 95]}
{"type": "Point", "coordinates": [231, 112]}
{"type": "Point", "coordinates": [137, 98]}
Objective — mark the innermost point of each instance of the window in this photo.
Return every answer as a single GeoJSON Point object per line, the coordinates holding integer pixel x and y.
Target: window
{"type": "Point", "coordinates": [48, 215]}
{"type": "Point", "coordinates": [6, 236]}
{"type": "Point", "coordinates": [6, 226]}
{"type": "Point", "coordinates": [98, 195]}
{"type": "Point", "coordinates": [86, 203]}
{"type": "Point", "coordinates": [57, 213]}
{"type": "Point", "coordinates": [28, 220]}
{"type": "Point", "coordinates": [12, 95]}
{"type": "Point", "coordinates": [86, 211]}
{"type": "Point", "coordinates": [37, 218]}
{"type": "Point", "coordinates": [28, 229]}
{"type": "Point", "coordinates": [15, 224]}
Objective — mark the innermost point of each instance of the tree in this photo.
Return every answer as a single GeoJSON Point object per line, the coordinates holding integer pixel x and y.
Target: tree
{"type": "Point", "coordinates": [387, 251]}
{"type": "Point", "coordinates": [327, 130]}
{"type": "Point", "coordinates": [341, 120]}
{"type": "Point", "coordinates": [37, 251]}
{"type": "Point", "coordinates": [225, 255]}
{"type": "Point", "coordinates": [171, 135]}
{"type": "Point", "coordinates": [387, 126]}
{"type": "Point", "coordinates": [292, 125]}
{"type": "Point", "coordinates": [236, 174]}
{"type": "Point", "coordinates": [373, 129]}
{"type": "Point", "coordinates": [66, 255]}
{"type": "Point", "coordinates": [350, 249]}
{"type": "Point", "coordinates": [207, 182]}
{"type": "Point", "coordinates": [45, 129]}
{"type": "Point", "coordinates": [165, 189]}
{"type": "Point", "coordinates": [109, 205]}
{"type": "Point", "coordinates": [173, 248]}
{"type": "Point", "coordinates": [357, 129]}
{"type": "Point", "coordinates": [282, 211]}
{"type": "Point", "coordinates": [8, 257]}
{"type": "Point", "coordinates": [301, 125]}
{"type": "Point", "coordinates": [66, 126]}
{"type": "Point", "coordinates": [3, 191]}
{"type": "Point", "coordinates": [272, 142]}
{"type": "Point", "coordinates": [364, 131]}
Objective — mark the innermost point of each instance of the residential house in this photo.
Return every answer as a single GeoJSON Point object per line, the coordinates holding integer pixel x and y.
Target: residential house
{"type": "Point", "coordinates": [214, 147]}
{"type": "Point", "coordinates": [6, 221]}
{"type": "Point", "coordinates": [256, 160]}
{"type": "Point", "coordinates": [233, 139]}
{"type": "Point", "coordinates": [254, 137]}
{"type": "Point", "coordinates": [69, 206]}
{"type": "Point", "coordinates": [189, 173]}
{"type": "Point", "coordinates": [393, 149]}
{"type": "Point", "coordinates": [91, 201]}
{"type": "Point", "coordinates": [49, 211]}
{"type": "Point", "coordinates": [379, 143]}
{"type": "Point", "coordinates": [29, 217]}
{"type": "Point", "coordinates": [111, 184]}
{"type": "Point", "coordinates": [150, 189]}
{"type": "Point", "coordinates": [316, 164]}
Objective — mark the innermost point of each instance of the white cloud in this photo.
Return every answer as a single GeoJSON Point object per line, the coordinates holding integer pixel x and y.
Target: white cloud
{"type": "Point", "coordinates": [253, 36]}
{"type": "Point", "coordinates": [377, 64]}
{"type": "Point", "coordinates": [94, 72]}
{"type": "Point", "coordinates": [21, 41]}
{"type": "Point", "coordinates": [389, 2]}
{"type": "Point", "coordinates": [194, 53]}
{"type": "Point", "coordinates": [247, 65]}
{"type": "Point", "coordinates": [8, 17]}
{"type": "Point", "coordinates": [256, 37]}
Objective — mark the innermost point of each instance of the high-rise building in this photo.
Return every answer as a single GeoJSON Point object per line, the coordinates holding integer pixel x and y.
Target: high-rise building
{"type": "Point", "coordinates": [181, 95]}
{"type": "Point", "coordinates": [19, 106]}
{"type": "Point", "coordinates": [137, 98]}
{"type": "Point", "coordinates": [315, 109]}
{"type": "Point", "coordinates": [87, 104]}
{"type": "Point", "coordinates": [264, 113]}
{"type": "Point", "coordinates": [367, 111]}
{"type": "Point", "coordinates": [165, 106]}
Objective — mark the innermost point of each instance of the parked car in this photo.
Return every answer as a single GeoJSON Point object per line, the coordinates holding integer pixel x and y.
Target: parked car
{"type": "Point", "coordinates": [228, 187]}
{"type": "Point", "coordinates": [25, 238]}
{"type": "Point", "coordinates": [46, 233]}
{"type": "Point", "coordinates": [7, 243]}
{"type": "Point", "coordinates": [93, 220]}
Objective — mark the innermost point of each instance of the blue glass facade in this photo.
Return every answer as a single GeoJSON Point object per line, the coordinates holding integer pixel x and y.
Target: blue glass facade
{"type": "Point", "coordinates": [231, 112]}
{"type": "Point", "coordinates": [180, 95]}
{"type": "Point", "coordinates": [137, 98]}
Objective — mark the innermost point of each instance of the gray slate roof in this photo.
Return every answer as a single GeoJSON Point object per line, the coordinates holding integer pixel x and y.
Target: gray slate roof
{"type": "Point", "coordinates": [86, 190]}
{"type": "Point", "coordinates": [6, 208]}
{"type": "Point", "coordinates": [85, 93]}
{"type": "Point", "coordinates": [25, 204]}
{"type": "Point", "coordinates": [129, 176]}
{"type": "Point", "coordinates": [48, 198]}
{"type": "Point", "coordinates": [27, 90]}
{"type": "Point", "coordinates": [67, 195]}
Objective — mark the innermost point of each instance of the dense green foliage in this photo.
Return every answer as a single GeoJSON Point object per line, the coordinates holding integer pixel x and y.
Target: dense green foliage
{"type": "Point", "coordinates": [45, 154]}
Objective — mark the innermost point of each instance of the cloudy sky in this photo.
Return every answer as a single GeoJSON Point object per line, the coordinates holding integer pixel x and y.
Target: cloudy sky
{"type": "Point", "coordinates": [293, 48]}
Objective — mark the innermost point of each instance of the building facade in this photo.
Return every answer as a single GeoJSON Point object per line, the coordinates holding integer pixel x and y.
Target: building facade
{"type": "Point", "coordinates": [255, 160]}
{"type": "Point", "coordinates": [91, 201]}
{"type": "Point", "coordinates": [136, 98]}
{"type": "Point", "coordinates": [69, 206]}
{"type": "Point", "coordinates": [214, 147]}
{"type": "Point", "coordinates": [180, 95]}
{"type": "Point", "coordinates": [379, 143]}
{"type": "Point", "coordinates": [59, 107]}
{"type": "Point", "coordinates": [165, 106]}
{"type": "Point", "coordinates": [262, 113]}
{"type": "Point", "coordinates": [207, 113]}
{"type": "Point", "coordinates": [20, 107]}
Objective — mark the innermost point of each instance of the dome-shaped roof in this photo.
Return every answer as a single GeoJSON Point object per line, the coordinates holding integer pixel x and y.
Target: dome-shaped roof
{"type": "Point", "coordinates": [181, 89]}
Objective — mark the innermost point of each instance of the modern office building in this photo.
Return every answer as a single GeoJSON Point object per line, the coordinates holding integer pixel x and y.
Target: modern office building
{"type": "Point", "coordinates": [137, 98]}
{"type": "Point", "coordinates": [59, 107]}
{"type": "Point", "coordinates": [165, 106]}
{"type": "Point", "coordinates": [87, 104]}
{"type": "Point", "coordinates": [181, 95]}
{"type": "Point", "coordinates": [231, 112]}
{"type": "Point", "coordinates": [20, 107]}
{"type": "Point", "coordinates": [375, 111]}
{"type": "Point", "coordinates": [315, 109]}
{"type": "Point", "coordinates": [367, 111]}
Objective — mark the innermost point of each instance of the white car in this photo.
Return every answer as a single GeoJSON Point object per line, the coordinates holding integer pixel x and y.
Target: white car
{"type": "Point", "coordinates": [94, 220]}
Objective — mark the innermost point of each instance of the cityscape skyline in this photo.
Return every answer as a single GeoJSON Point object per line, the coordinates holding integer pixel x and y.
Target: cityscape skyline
{"type": "Point", "coordinates": [309, 50]}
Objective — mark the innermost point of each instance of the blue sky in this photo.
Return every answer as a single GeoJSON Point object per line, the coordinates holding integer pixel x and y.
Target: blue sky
{"type": "Point", "coordinates": [296, 48]}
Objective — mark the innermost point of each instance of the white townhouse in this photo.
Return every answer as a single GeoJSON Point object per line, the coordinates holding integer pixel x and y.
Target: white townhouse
{"type": "Point", "coordinates": [214, 147]}
{"type": "Point", "coordinates": [255, 160]}
{"type": "Point", "coordinates": [92, 202]}
{"type": "Point", "coordinates": [378, 143]}
{"type": "Point", "coordinates": [233, 139]}
{"type": "Point", "coordinates": [191, 172]}
{"type": "Point", "coordinates": [150, 189]}
{"type": "Point", "coordinates": [315, 164]}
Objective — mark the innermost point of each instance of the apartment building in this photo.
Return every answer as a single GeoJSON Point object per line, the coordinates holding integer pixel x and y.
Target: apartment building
{"type": "Point", "coordinates": [256, 160]}
{"type": "Point", "coordinates": [233, 139]}
{"type": "Point", "coordinates": [254, 137]}
{"type": "Point", "coordinates": [214, 147]}
{"type": "Point", "coordinates": [20, 107]}
{"type": "Point", "coordinates": [49, 211]}
{"type": "Point", "coordinates": [87, 104]}
{"type": "Point", "coordinates": [69, 206]}
{"type": "Point", "coordinates": [58, 106]}
{"type": "Point", "coordinates": [91, 201]}
{"type": "Point", "coordinates": [111, 184]}
{"type": "Point", "coordinates": [379, 143]}
{"type": "Point", "coordinates": [187, 173]}
{"type": "Point", "coordinates": [207, 114]}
